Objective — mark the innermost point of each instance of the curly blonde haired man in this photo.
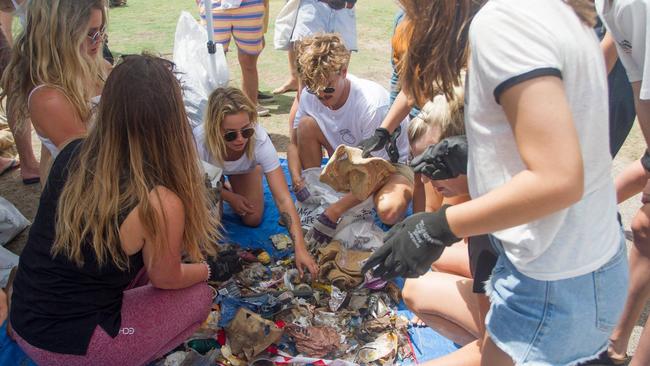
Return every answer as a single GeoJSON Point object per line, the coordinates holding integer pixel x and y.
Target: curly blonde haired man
{"type": "Point", "coordinates": [337, 108]}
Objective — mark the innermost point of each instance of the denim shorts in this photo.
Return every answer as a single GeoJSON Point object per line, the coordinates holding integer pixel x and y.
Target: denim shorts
{"type": "Point", "coordinates": [555, 322]}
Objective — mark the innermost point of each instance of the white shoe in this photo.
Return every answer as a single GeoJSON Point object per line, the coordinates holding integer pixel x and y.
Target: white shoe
{"type": "Point", "coordinates": [262, 111]}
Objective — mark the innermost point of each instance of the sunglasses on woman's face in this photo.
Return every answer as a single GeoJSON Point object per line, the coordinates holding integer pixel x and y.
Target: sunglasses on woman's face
{"type": "Point", "coordinates": [245, 133]}
{"type": "Point", "coordinates": [97, 36]}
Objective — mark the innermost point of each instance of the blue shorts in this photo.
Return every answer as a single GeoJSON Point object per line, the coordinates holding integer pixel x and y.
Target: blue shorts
{"type": "Point", "coordinates": [555, 322]}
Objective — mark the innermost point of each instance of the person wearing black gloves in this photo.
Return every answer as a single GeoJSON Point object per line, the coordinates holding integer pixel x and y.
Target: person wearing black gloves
{"type": "Point", "coordinates": [460, 306]}
{"type": "Point", "coordinates": [335, 109]}
{"type": "Point", "coordinates": [539, 173]}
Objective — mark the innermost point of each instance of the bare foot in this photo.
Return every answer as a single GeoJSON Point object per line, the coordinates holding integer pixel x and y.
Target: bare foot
{"type": "Point", "coordinates": [7, 164]}
{"type": "Point", "coordinates": [289, 86]}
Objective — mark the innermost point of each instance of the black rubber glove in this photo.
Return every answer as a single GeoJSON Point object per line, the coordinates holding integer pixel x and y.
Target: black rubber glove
{"type": "Point", "coordinates": [224, 266]}
{"type": "Point", "coordinates": [375, 142]}
{"type": "Point", "coordinates": [411, 246]}
{"type": "Point", "coordinates": [444, 160]}
{"type": "Point", "coordinates": [391, 147]}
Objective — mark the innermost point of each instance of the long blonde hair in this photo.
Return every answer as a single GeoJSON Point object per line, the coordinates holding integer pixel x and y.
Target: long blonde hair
{"type": "Point", "coordinates": [438, 48]}
{"type": "Point", "coordinates": [224, 102]}
{"type": "Point", "coordinates": [141, 140]}
{"type": "Point", "coordinates": [48, 51]}
{"type": "Point", "coordinates": [448, 115]}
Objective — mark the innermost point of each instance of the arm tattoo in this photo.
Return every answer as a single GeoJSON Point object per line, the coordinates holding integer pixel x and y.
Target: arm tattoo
{"type": "Point", "coordinates": [286, 219]}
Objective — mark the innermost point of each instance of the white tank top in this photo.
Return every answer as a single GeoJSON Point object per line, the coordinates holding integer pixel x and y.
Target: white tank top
{"type": "Point", "coordinates": [51, 147]}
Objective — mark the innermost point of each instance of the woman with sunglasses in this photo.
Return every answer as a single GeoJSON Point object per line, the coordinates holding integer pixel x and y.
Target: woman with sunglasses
{"type": "Point", "coordinates": [232, 139]}
{"type": "Point", "coordinates": [54, 79]}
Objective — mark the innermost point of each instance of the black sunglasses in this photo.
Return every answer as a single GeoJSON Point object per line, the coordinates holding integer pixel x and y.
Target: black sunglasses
{"type": "Point", "coordinates": [328, 90]}
{"type": "Point", "coordinates": [245, 133]}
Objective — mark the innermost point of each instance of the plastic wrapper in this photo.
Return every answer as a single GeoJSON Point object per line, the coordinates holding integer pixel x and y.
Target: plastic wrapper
{"type": "Point", "coordinates": [382, 350]}
{"type": "Point", "coordinates": [281, 241]}
{"type": "Point", "coordinates": [337, 298]}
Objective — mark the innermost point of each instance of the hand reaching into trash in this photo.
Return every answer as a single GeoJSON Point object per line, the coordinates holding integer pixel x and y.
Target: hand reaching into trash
{"type": "Point", "coordinates": [444, 160]}
{"type": "Point", "coordinates": [322, 231]}
{"type": "Point", "coordinates": [375, 142]}
{"type": "Point", "coordinates": [305, 260]}
{"type": "Point", "coordinates": [411, 246]}
{"type": "Point", "coordinates": [240, 204]}
{"type": "Point", "coordinates": [224, 266]}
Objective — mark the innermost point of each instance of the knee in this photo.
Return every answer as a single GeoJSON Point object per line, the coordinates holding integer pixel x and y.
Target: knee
{"type": "Point", "coordinates": [307, 130]}
{"type": "Point", "coordinates": [247, 62]}
{"type": "Point", "coordinates": [410, 294]}
{"type": "Point", "coordinates": [389, 214]}
{"type": "Point", "coordinates": [202, 295]}
{"type": "Point", "coordinates": [253, 220]}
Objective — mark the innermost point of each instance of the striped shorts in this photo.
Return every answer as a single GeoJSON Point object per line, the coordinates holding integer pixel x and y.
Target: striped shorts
{"type": "Point", "coordinates": [245, 24]}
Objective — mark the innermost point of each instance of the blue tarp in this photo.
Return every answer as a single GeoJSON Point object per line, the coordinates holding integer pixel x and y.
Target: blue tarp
{"type": "Point", "coordinates": [427, 343]}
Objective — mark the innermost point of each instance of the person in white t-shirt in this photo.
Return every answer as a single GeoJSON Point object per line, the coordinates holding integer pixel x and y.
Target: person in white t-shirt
{"type": "Point", "coordinates": [337, 108]}
{"type": "Point", "coordinates": [231, 139]}
{"type": "Point", "coordinates": [627, 23]}
{"type": "Point", "coordinates": [539, 173]}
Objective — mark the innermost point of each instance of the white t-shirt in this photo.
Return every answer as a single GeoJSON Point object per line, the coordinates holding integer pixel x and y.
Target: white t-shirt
{"type": "Point", "coordinates": [357, 119]}
{"type": "Point", "coordinates": [513, 41]}
{"type": "Point", "coordinates": [627, 22]}
{"type": "Point", "coordinates": [265, 154]}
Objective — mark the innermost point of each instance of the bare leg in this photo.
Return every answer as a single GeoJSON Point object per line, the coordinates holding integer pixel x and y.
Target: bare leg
{"type": "Point", "coordinates": [642, 354]}
{"type": "Point", "coordinates": [250, 186]}
{"type": "Point", "coordinates": [392, 200]}
{"type": "Point", "coordinates": [311, 142]}
{"type": "Point", "coordinates": [249, 76]}
{"type": "Point", "coordinates": [468, 355]}
{"type": "Point", "coordinates": [446, 303]}
{"type": "Point", "coordinates": [454, 260]}
{"type": "Point", "coordinates": [29, 166]}
{"type": "Point", "coordinates": [493, 355]}
{"type": "Point", "coordinates": [639, 289]}
{"type": "Point", "coordinates": [292, 83]}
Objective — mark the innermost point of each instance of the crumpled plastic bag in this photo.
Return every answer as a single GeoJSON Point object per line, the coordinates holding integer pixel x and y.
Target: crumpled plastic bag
{"type": "Point", "coordinates": [249, 334]}
{"type": "Point", "coordinates": [315, 341]}
{"type": "Point", "coordinates": [199, 72]}
{"type": "Point", "coordinates": [347, 171]}
{"type": "Point", "coordinates": [12, 222]}
{"type": "Point", "coordinates": [382, 350]}
{"type": "Point", "coordinates": [356, 229]}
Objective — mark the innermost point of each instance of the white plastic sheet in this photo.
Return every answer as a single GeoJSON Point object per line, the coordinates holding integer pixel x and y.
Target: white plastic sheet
{"type": "Point", "coordinates": [355, 230]}
{"type": "Point", "coordinates": [199, 72]}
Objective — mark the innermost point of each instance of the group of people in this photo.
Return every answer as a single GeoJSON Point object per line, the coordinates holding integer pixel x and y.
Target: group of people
{"type": "Point", "coordinates": [497, 127]}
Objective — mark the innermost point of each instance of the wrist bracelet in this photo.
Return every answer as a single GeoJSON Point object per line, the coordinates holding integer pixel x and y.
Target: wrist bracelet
{"type": "Point", "coordinates": [645, 161]}
{"type": "Point", "coordinates": [209, 270]}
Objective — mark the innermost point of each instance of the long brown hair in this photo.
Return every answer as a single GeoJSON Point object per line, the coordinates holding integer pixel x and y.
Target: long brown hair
{"type": "Point", "coordinates": [438, 47]}
{"type": "Point", "coordinates": [223, 102]}
{"type": "Point", "coordinates": [48, 51]}
{"type": "Point", "coordinates": [141, 140]}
